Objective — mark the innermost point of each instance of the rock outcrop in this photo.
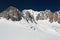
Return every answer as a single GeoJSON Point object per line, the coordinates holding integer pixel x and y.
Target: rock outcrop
{"type": "Point", "coordinates": [29, 17]}
{"type": "Point", "coordinates": [38, 17]}
{"type": "Point", "coordinates": [12, 13]}
{"type": "Point", "coordinates": [55, 17]}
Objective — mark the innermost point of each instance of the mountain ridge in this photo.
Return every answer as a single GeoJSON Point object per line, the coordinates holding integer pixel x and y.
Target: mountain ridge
{"type": "Point", "coordinates": [30, 15]}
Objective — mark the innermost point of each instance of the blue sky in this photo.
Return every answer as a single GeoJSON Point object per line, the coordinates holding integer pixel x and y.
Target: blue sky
{"type": "Point", "coordinates": [53, 5]}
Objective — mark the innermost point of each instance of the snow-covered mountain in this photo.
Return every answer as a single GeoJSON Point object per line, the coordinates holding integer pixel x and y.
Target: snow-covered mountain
{"type": "Point", "coordinates": [33, 25]}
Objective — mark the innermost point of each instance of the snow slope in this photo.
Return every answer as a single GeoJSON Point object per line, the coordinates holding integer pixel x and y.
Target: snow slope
{"type": "Point", "coordinates": [22, 30]}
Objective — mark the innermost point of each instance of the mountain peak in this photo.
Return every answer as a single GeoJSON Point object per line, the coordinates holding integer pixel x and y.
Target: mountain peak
{"type": "Point", "coordinates": [11, 7]}
{"type": "Point", "coordinates": [12, 13]}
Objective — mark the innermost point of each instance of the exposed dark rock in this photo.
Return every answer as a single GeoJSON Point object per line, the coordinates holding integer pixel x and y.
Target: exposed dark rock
{"type": "Point", "coordinates": [12, 13]}
{"type": "Point", "coordinates": [38, 17]}
{"type": "Point", "coordinates": [59, 20]}
{"type": "Point", "coordinates": [55, 17]}
{"type": "Point", "coordinates": [29, 17]}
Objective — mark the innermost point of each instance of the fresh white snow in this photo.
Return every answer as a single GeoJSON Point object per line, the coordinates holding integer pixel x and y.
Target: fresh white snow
{"type": "Point", "coordinates": [22, 30]}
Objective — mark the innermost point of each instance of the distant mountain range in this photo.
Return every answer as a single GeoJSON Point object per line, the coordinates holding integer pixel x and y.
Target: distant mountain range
{"type": "Point", "coordinates": [30, 15]}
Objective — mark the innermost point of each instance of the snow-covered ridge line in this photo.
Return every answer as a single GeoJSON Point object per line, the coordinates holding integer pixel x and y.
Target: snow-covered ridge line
{"type": "Point", "coordinates": [30, 15]}
{"type": "Point", "coordinates": [44, 15]}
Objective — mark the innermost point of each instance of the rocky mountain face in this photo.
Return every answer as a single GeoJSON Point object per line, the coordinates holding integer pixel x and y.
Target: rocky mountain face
{"type": "Point", "coordinates": [11, 13]}
{"type": "Point", "coordinates": [42, 15]}
{"type": "Point", "coordinates": [29, 15]}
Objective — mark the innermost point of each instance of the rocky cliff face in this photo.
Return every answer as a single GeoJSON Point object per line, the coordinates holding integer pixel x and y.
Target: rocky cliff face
{"type": "Point", "coordinates": [12, 13]}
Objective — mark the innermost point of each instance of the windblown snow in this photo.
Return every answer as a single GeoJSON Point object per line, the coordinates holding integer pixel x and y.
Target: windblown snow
{"type": "Point", "coordinates": [22, 30]}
